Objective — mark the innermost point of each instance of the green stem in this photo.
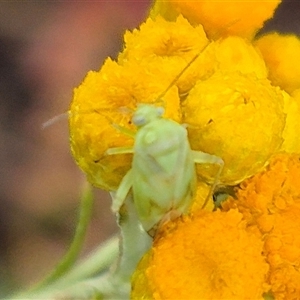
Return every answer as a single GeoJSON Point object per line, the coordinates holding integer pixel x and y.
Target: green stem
{"type": "Point", "coordinates": [100, 259]}
{"type": "Point", "coordinates": [85, 213]}
{"type": "Point", "coordinates": [87, 289]}
{"type": "Point", "coordinates": [76, 281]}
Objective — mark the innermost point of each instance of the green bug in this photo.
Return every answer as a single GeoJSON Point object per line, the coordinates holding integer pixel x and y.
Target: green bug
{"type": "Point", "coordinates": [163, 176]}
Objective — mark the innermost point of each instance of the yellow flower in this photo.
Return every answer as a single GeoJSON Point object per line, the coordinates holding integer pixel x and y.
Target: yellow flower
{"type": "Point", "coordinates": [237, 54]}
{"type": "Point", "coordinates": [220, 18]}
{"type": "Point", "coordinates": [280, 53]}
{"type": "Point", "coordinates": [237, 117]}
{"type": "Point", "coordinates": [274, 189]}
{"type": "Point", "coordinates": [97, 105]}
{"type": "Point", "coordinates": [232, 88]}
{"type": "Point", "coordinates": [167, 47]}
{"type": "Point", "coordinates": [205, 256]}
{"type": "Point", "coordinates": [271, 201]}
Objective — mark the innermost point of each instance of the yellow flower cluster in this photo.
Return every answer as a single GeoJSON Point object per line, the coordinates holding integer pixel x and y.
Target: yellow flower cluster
{"type": "Point", "coordinates": [110, 96]}
{"type": "Point", "coordinates": [240, 98]}
{"type": "Point", "coordinates": [270, 201]}
{"type": "Point", "coordinates": [225, 86]}
{"type": "Point", "coordinates": [205, 256]}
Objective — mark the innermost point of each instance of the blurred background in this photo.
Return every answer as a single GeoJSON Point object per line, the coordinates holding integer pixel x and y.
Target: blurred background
{"type": "Point", "coordinates": [46, 48]}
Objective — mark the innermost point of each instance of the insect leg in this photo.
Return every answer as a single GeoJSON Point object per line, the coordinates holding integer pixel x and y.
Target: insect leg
{"type": "Point", "coordinates": [119, 150]}
{"type": "Point", "coordinates": [124, 130]}
{"type": "Point", "coordinates": [205, 158]}
{"type": "Point", "coordinates": [120, 195]}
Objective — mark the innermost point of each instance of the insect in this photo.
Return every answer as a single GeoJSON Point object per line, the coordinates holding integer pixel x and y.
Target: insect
{"type": "Point", "coordinates": [162, 176]}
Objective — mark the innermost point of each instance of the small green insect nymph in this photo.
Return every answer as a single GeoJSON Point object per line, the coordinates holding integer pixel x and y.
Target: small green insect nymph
{"type": "Point", "coordinates": [163, 176]}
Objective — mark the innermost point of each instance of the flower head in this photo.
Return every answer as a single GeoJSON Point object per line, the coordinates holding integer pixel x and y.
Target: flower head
{"type": "Point", "coordinates": [220, 111]}
{"type": "Point", "coordinates": [167, 47]}
{"type": "Point", "coordinates": [106, 98]}
{"type": "Point", "coordinates": [280, 53]}
{"type": "Point", "coordinates": [205, 256]}
{"type": "Point", "coordinates": [226, 84]}
{"type": "Point", "coordinates": [97, 103]}
{"type": "Point", "coordinates": [232, 19]}
{"type": "Point", "coordinates": [270, 200]}
{"type": "Point", "coordinates": [236, 54]}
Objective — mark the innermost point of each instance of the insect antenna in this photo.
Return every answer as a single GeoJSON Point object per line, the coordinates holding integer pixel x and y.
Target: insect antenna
{"type": "Point", "coordinates": [181, 72]}
{"type": "Point", "coordinates": [55, 119]}
{"type": "Point", "coordinates": [68, 113]}
{"type": "Point", "coordinates": [192, 60]}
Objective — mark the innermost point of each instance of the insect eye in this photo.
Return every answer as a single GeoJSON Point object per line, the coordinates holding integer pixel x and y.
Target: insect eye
{"type": "Point", "coordinates": [146, 113]}
{"type": "Point", "coordinates": [138, 120]}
